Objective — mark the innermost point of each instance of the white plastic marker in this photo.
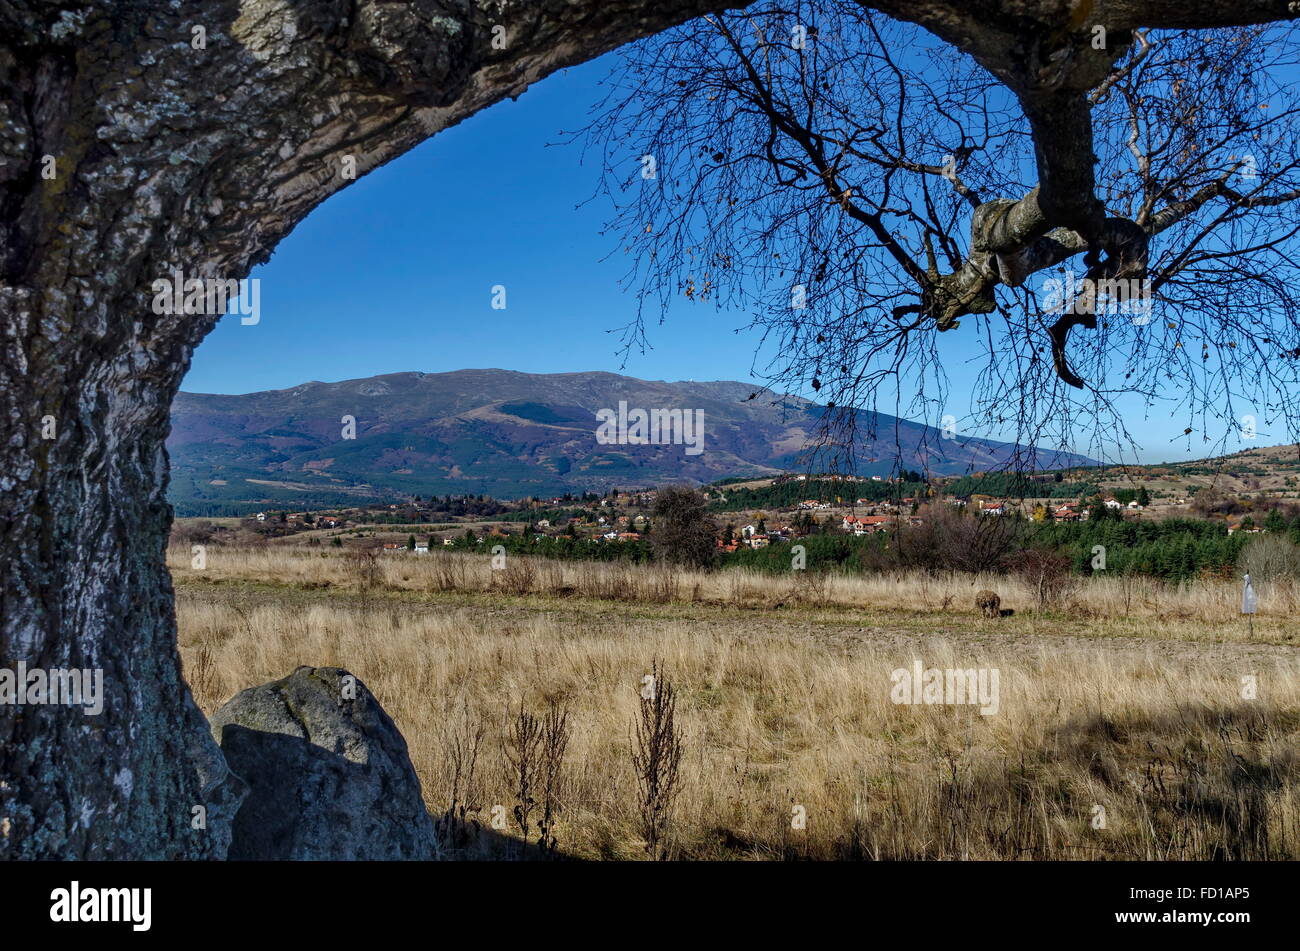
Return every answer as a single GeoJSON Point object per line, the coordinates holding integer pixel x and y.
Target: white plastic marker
{"type": "Point", "coordinates": [1248, 603]}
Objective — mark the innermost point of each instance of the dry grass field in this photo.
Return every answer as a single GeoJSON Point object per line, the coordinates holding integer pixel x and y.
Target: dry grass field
{"type": "Point", "coordinates": [1133, 720]}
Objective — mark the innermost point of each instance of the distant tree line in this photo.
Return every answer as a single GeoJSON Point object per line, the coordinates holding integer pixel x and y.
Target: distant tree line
{"type": "Point", "coordinates": [566, 546]}
{"type": "Point", "coordinates": [1011, 485]}
{"type": "Point", "coordinates": [789, 494]}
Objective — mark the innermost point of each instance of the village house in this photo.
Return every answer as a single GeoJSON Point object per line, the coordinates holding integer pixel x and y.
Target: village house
{"type": "Point", "coordinates": [868, 524]}
{"type": "Point", "coordinates": [1065, 513]}
{"type": "Point", "coordinates": [1112, 503]}
{"type": "Point", "coordinates": [852, 523]}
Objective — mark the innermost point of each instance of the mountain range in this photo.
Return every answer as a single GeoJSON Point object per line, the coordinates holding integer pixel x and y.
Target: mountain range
{"type": "Point", "coordinates": [510, 434]}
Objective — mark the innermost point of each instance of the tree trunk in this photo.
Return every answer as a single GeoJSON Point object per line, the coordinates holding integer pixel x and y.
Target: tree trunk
{"type": "Point", "coordinates": [85, 522]}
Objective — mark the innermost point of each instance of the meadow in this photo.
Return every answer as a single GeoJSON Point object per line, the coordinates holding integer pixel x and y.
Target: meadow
{"type": "Point", "coordinates": [1137, 719]}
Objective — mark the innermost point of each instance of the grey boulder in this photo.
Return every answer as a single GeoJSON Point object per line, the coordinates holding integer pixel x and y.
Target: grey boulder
{"type": "Point", "coordinates": [328, 773]}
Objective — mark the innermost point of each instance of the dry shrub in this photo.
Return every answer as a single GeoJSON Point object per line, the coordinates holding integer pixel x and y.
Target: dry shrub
{"type": "Point", "coordinates": [364, 568]}
{"type": "Point", "coordinates": [203, 678]}
{"type": "Point", "coordinates": [684, 531]}
{"type": "Point", "coordinates": [1048, 575]}
{"type": "Point", "coordinates": [458, 828]}
{"type": "Point", "coordinates": [656, 759]}
{"type": "Point", "coordinates": [447, 572]}
{"type": "Point", "coordinates": [963, 541]}
{"type": "Point", "coordinates": [517, 577]}
{"type": "Point", "coordinates": [1270, 557]}
{"type": "Point", "coordinates": [534, 752]}
{"type": "Point", "coordinates": [810, 587]}
{"type": "Point", "coordinates": [523, 744]}
{"type": "Point", "coordinates": [661, 585]}
{"type": "Point", "coordinates": [555, 741]}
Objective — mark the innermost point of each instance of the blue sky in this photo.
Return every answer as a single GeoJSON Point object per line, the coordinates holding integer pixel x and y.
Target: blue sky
{"type": "Point", "coordinates": [396, 273]}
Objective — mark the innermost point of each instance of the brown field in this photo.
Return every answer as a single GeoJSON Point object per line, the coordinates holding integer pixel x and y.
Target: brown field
{"type": "Point", "coordinates": [1126, 696]}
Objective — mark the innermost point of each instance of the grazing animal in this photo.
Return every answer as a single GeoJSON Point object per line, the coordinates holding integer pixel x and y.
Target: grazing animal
{"type": "Point", "coordinates": [989, 603]}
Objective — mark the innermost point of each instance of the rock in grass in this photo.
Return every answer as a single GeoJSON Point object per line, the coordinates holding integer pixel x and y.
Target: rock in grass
{"type": "Point", "coordinates": [329, 774]}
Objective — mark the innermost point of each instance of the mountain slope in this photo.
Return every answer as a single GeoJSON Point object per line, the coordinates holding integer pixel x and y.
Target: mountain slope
{"type": "Point", "coordinates": [509, 434]}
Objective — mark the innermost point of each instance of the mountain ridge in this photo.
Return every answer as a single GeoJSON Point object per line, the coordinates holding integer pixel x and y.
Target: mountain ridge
{"type": "Point", "coordinates": [510, 434]}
